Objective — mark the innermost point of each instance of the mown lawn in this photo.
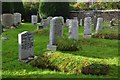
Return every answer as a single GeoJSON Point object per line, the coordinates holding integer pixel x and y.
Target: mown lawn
{"type": "Point", "coordinates": [96, 49]}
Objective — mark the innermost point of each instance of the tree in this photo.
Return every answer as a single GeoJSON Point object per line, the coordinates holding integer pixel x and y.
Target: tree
{"type": "Point", "coordinates": [53, 9]}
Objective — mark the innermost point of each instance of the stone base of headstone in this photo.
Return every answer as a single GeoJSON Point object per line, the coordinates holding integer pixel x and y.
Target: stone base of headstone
{"type": "Point", "coordinates": [51, 47]}
{"type": "Point", "coordinates": [87, 36]}
{"type": "Point", "coordinates": [28, 59]}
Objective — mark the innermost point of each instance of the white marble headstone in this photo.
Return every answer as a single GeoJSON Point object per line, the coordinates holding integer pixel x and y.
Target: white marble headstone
{"type": "Point", "coordinates": [26, 45]}
{"type": "Point", "coordinates": [73, 29]}
{"type": "Point", "coordinates": [87, 27]}
{"type": "Point", "coordinates": [7, 20]}
{"type": "Point", "coordinates": [56, 30]}
{"type": "Point", "coordinates": [34, 19]}
{"type": "Point", "coordinates": [17, 18]}
{"type": "Point", "coordinates": [99, 24]}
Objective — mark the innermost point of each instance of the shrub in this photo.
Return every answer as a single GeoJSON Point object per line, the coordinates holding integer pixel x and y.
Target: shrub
{"type": "Point", "coordinates": [59, 62]}
{"type": "Point", "coordinates": [108, 34]}
{"type": "Point", "coordinates": [96, 69]}
{"type": "Point", "coordinates": [65, 44]}
{"type": "Point", "coordinates": [47, 9]}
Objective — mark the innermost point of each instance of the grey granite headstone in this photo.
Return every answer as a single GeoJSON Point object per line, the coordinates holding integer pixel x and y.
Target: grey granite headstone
{"type": "Point", "coordinates": [73, 29]}
{"type": "Point", "coordinates": [45, 23]}
{"type": "Point", "coordinates": [87, 27]}
{"type": "Point", "coordinates": [26, 46]}
{"type": "Point", "coordinates": [99, 24]}
{"type": "Point", "coordinates": [17, 18]}
{"type": "Point", "coordinates": [7, 20]}
{"type": "Point", "coordinates": [56, 30]}
{"type": "Point", "coordinates": [67, 22]}
{"type": "Point", "coordinates": [34, 20]}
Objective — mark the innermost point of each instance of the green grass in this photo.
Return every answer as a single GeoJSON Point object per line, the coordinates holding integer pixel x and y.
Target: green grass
{"type": "Point", "coordinates": [95, 49]}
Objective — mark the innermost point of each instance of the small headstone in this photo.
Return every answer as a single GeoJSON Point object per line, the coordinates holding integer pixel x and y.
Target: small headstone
{"type": "Point", "coordinates": [26, 46]}
{"type": "Point", "coordinates": [81, 22]}
{"type": "Point", "coordinates": [99, 24]}
{"type": "Point", "coordinates": [17, 18]}
{"type": "Point", "coordinates": [87, 27]}
{"type": "Point", "coordinates": [73, 29]}
{"type": "Point", "coordinates": [56, 30]}
{"type": "Point", "coordinates": [7, 20]}
{"type": "Point", "coordinates": [34, 20]}
{"type": "Point", "coordinates": [45, 23]}
{"type": "Point", "coordinates": [49, 18]}
{"type": "Point", "coordinates": [67, 22]}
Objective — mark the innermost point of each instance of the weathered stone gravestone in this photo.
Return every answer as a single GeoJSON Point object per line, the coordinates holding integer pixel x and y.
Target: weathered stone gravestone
{"type": "Point", "coordinates": [34, 20]}
{"type": "Point", "coordinates": [17, 18]}
{"type": "Point", "coordinates": [49, 18]}
{"type": "Point", "coordinates": [44, 23]}
{"type": "Point", "coordinates": [67, 22]}
{"type": "Point", "coordinates": [56, 30]}
{"type": "Point", "coordinates": [26, 46]}
{"type": "Point", "coordinates": [81, 22]}
{"type": "Point", "coordinates": [87, 27]}
{"type": "Point", "coordinates": [99, 25]}
{"type": "Point", "coordinates": [73, 29]}
{"type": "Point", "coordinates": [7, 20]}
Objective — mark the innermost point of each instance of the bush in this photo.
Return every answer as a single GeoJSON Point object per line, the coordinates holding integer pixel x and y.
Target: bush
{"type": "Point", "coordinates": [69, 63]}
{"type": "Point", "coordinates": [47, 9]}
{"type": "Point", "coordinates": [108, 34]}
{"type": "Point", "coordinates": [59, 62]}
{"type": "Point", "coordinates": [65, 44]}
{"type": "Point", "coordinates": [96, 69]}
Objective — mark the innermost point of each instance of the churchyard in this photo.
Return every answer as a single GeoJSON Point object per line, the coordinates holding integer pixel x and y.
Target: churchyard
{"type": "Point", "coordinates": [83, 46]}
{"type": "Point", "coordinates": [93, 50]}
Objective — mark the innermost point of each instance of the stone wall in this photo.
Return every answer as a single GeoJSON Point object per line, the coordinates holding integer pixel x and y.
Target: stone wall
{"type": "Point", "coordinates": [107, 15]}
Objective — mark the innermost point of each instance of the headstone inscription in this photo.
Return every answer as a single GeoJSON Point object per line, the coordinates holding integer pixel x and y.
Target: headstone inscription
{"type": "Point", "coordinates": [99, 24]}
{"type": "Point", "coordinates": [56, 30]}
{"type": "Point", "coordinates": [87, 27]}
{"type": "Point", "coordinates": [73, 29]}
{"type": "Point", "coordinates": [26, 46]}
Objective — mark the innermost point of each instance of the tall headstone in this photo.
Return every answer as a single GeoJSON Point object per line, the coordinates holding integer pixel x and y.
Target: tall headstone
{"type": "Point", "coordinates": [99, 24]}
{"type": "Point", "coordinates": [26, 46]}
{"type": "Point", "coordinates": [73, 29]}
{"type": "Point", "coordinates": [56, 30]}
{"type": "Point", "coordinates": [17, 18]}
{"type": "Point", "coordinates": [87, 27]}
{"type": "Point", "coordinates": [7, 20]}
{"type": "Point", "coordinates": [34, 20]}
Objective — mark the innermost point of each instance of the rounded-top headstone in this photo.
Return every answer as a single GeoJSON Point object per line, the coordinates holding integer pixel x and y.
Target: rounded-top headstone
{"type": "Point", "coordinates": [7, 20]}
{"type": "Point", "coordinates": [17, 18]}
{"type": "Point", "coordinates": [34, 19]}
{"type": "Point", "coordinates": [87, 26]}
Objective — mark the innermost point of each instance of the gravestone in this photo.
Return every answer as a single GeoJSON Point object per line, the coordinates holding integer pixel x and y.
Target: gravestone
{"type": "Point", "coordinates": [87, 27]}
{"type": "Point", "coordinates": [49, 18]}
{"type": "Point", "coordinates": [17, 18]}
{"type": "Point", "coordinates": [34, 20]}
{"type": "Point", "coordinates": [73, 29]}
{"type": "Point", "coordinates": [67, 22]}
{"type": "Point", "coordinates": [26, 46]}
{"type": "Point", "coordinates": [7, 20]}
{"type": "Point", "coordinates": [44, 23]}
{"type": "Point", "coordinates": [56, 30]}
{"type": "Point", "coordinates": [99, 24]}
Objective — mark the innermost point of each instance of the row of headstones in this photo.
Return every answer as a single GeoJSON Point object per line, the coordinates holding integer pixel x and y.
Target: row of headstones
{"type": "Point", "coordinates": [43, 24]}
{"type": "Point", "coordinates": [9, 19]}
{"type": "Point", "coordinates": [26, 41]}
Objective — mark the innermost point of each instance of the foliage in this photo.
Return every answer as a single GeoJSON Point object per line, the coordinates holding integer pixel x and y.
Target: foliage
{"type": "Point", "coordinates": [12, 7]}
{"type": "Point", "coordinates": [47, 9]}
{"type": "Point", "coordinates": [108, 34]}
{"type": "Point", "coordinates": [96, 69]}
{"type": "Point", "coordinates": [65, 44]}
{"type": "Point", "coordinates": [31, 8]}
